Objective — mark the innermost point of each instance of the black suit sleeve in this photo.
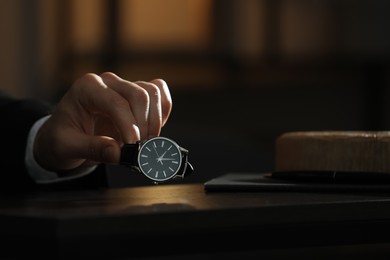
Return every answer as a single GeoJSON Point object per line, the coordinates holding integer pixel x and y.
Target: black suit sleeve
{"type": "Point", "coordinates": [16, 119]}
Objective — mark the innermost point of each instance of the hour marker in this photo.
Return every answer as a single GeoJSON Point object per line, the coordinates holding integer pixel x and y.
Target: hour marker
{"type": "Point", "coordinates": [154, 143]}
{"type": "Point", "coordinates": [173, 154]}
{"type": "Point", "coordinates": [145, 164]}
{"type": "Point", "coordinates": [171, 169]}
{"type": "Point", "coordinates": [156, 174]}
{"type": "Point", "coordinates": [162, 143]}
{"type": "Point", "coordinates": [144, 155]}
{"type": "Point", "coordinates": [175, 162]}
{"type": "Point", "coordinates": [147, 148]}
{"type": "Point", "coordinates": [149, 170]}
{"type": "Point", "coordinates": [165, 175]}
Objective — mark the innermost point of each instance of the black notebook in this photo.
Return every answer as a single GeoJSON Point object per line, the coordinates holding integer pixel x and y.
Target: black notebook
{"type": "Point", "coordinates": [237, 181]}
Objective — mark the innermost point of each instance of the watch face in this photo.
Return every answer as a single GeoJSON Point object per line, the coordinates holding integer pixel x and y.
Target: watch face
{"type": "Point", "coordinates": [159, 158]}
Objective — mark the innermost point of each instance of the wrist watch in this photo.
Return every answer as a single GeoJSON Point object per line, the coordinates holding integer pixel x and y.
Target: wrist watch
{"type": "Point", "coordinates": [159, 159]}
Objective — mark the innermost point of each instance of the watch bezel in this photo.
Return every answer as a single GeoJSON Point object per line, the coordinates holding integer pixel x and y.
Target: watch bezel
{"type": "Point", "coordinates": [145, 143]}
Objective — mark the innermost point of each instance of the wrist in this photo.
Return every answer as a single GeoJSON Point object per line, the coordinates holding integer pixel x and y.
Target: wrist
{"type": "Point", "coordinates": [37, 170]}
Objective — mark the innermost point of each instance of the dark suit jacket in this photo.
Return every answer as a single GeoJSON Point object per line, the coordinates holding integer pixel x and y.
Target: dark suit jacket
{"type": "Point", "coordinates": [16, 118]}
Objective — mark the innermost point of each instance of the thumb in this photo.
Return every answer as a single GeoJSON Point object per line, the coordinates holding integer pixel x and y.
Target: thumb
{"type": "Point", "coordinates": [99, 149]}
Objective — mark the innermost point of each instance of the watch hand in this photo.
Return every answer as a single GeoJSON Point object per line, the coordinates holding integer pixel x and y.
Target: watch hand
{"type": "Point", "coordinates": [160, 160]}
{"type": "Point", "coordinates": [156, 152]}
{"type": "Point", "coordinates": [167, 159]}
{"type": "Point", "coordinates": [162, 156]}
{"type": "Point", "coordinates": [158, 156]}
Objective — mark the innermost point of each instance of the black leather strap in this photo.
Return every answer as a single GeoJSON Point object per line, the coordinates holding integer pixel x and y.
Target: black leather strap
{"type": "Point", "coordinates": [186, 167]}
{"type": "Point", "coordinates": [129, 154]}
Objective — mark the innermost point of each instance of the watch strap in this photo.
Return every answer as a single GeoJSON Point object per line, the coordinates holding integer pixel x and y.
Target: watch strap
{"type": "Point", "coordinates": [129, 154]}
{"type": "Point", "coordinates": [186, 166]}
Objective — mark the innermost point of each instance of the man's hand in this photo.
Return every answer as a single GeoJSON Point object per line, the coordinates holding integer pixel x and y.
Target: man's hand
{"type": "Point", "coordinates": [96, 116]}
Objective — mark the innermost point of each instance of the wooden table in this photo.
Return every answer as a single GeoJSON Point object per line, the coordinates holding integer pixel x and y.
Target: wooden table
{"type": "Point", "coordinates": [177, 220]}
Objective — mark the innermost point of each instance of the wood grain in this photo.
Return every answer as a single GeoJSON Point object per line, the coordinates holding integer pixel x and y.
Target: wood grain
{"type": "Point", "coordinates": [361, 151]}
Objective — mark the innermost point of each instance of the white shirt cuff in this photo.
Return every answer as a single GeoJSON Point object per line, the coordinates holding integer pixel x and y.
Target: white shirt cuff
{"type": "Point", "coordinates": [41, 175]}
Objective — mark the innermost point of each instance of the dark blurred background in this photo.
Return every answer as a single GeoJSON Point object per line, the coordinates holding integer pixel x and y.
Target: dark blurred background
{"type": "Point", "coordinates": [240, 72]}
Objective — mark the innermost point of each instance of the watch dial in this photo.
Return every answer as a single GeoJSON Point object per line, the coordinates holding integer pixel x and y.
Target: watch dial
{"type": "Point", "coordinates": [159, 158]}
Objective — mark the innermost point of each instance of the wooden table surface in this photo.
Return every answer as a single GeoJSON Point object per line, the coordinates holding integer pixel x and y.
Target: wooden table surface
{"type": "Point", "coordinates": [169, 218]}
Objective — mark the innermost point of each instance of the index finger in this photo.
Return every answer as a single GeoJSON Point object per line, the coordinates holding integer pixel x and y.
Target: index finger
{"type": "Point", "coordinates": [97, 97]}
{"type": "Point", "coordinates": [166, 99]}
